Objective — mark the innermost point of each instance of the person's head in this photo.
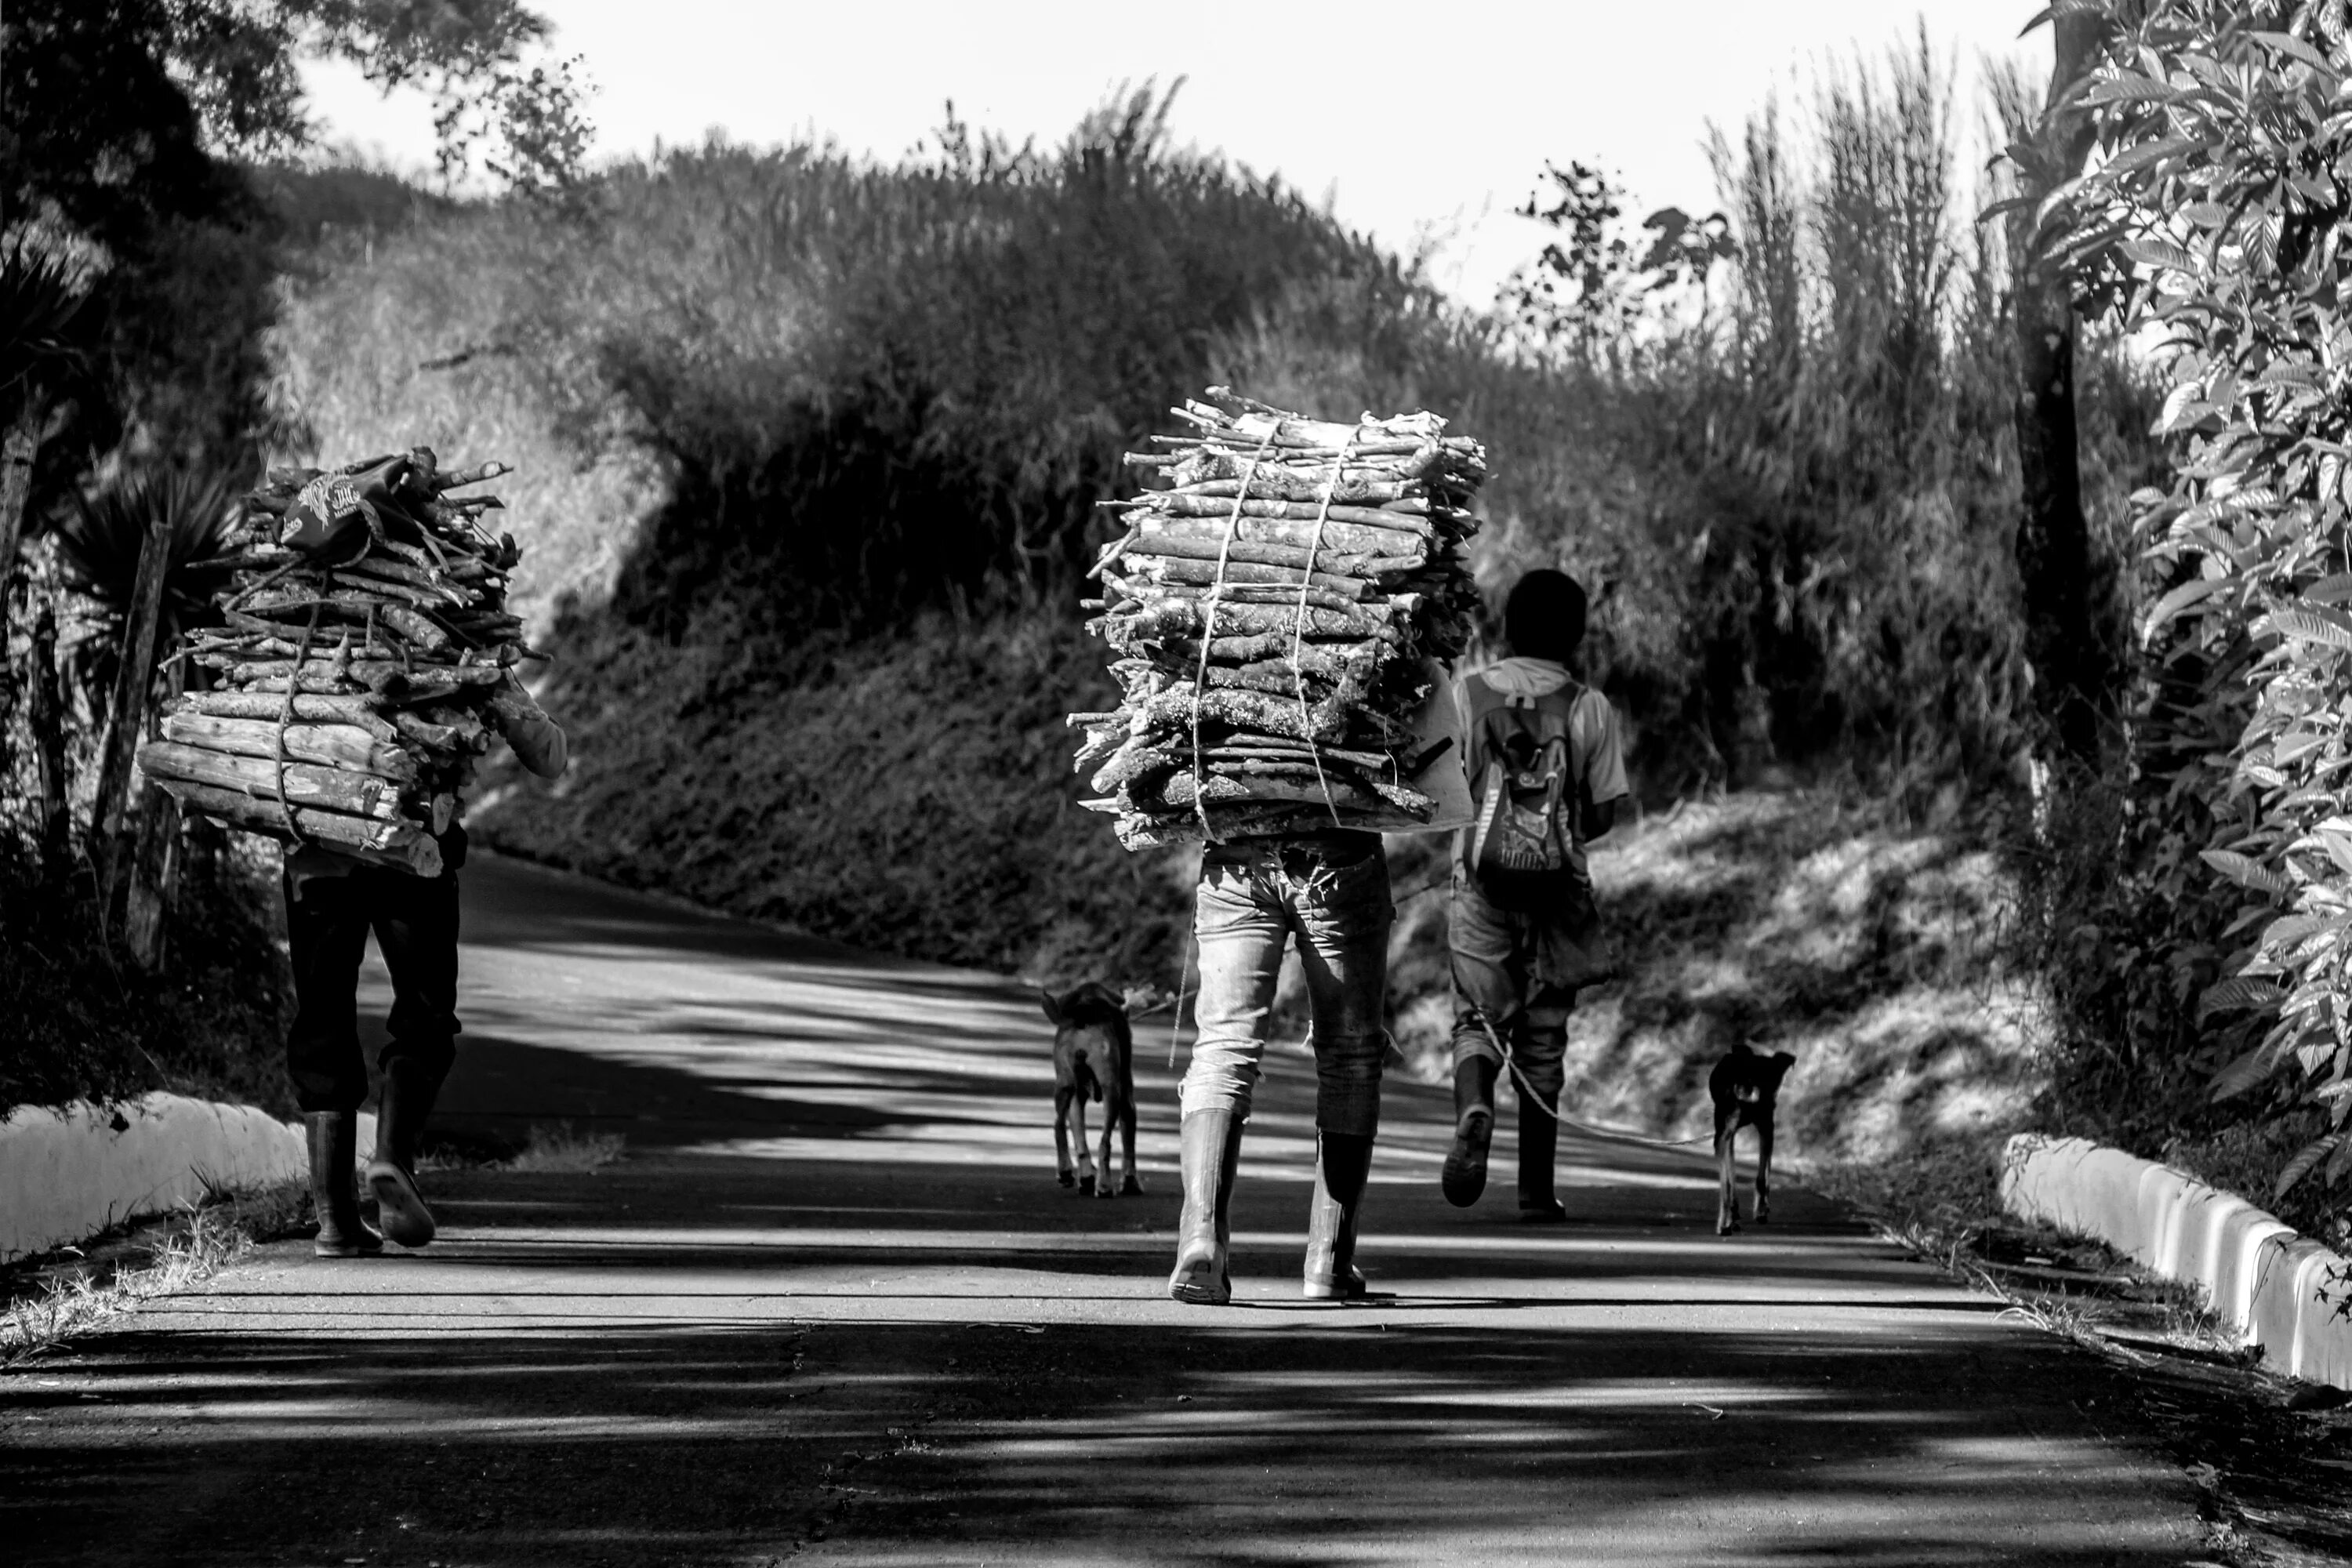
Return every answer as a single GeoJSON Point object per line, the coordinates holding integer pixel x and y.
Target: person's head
{"type": "Point", "coordinates": [1543, 616]}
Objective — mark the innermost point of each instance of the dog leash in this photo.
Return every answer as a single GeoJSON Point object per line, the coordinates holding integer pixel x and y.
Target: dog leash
{"type": "Point", "coordinates": [1528, 1095]}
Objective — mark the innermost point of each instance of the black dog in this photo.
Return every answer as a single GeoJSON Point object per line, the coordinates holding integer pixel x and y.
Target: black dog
{"type": "Point", "coordinates": [1093, 1059]}
{"type": "Point", "coordinates": [1745, 1087]}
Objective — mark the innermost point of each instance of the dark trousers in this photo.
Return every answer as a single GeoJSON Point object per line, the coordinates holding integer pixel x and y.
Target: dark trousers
{"type": "Point", "coordinates": [415, 923]}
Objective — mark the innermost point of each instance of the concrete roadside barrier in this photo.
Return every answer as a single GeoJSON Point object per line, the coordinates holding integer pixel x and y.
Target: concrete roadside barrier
{"type": "Point", "coordinates": [67, 1175]}
{"type": "Point", "coordinates": [2278, 1289]}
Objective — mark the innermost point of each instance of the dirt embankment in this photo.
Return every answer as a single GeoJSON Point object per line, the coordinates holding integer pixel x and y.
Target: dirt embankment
{"type": "Point", "coordinates": [1793, 921]}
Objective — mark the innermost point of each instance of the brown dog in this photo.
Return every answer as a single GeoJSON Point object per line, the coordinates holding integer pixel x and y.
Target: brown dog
{"type": "Point", "coordinates": [1745, 1087]}
{"type": "Point", "coordinates": [1093, 1059]}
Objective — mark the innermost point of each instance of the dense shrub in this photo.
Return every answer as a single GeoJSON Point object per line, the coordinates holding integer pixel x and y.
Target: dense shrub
{"type": "Point", "coordinates": [2211, 939]}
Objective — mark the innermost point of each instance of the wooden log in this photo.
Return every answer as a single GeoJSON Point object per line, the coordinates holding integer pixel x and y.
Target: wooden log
{"type": "Point", "coordinates": [1242, 445]}
{"type": "Point", "coordinates": [1169, 503]}
{"type": "Point", "coordinates": [345, 746]}
{"type": "Point", "coordinates": [1262, 489]}
{"type": "Point", "coordinates": [464, 577]}
{"type": "Point", "coordinates": [454, 479]}
{"type": "Point", "coordinates": [1281, 680]}
{"type": "Point", "coordinates": [404, 845]}
{"type": "Point", "coordinates": [298, 598]}
{"type": "Point", "coordinates": [466, 725]}
{"type": "Point", "coordinates": [1364, 567]}
{"type": "Point", "coordinates": [1319, 655]}
{"type": "Point", "coordinates": [1244, 748]}
{"type": "Point", "coordinates": [1346, 537]}
{"type": "Point", "coordinates": [323, 683]}
{"type": "Point", "coordinates": [383, 677]}
{"type": "Point", "coordinates": [1183, 789]}
{"type": "Point", "coordinates": [415, 627]}
{"type": "Point", "coordinates": [397, 579]}
{"type": "Point", "coordinates": [1192, 463]}
{"type": "Point", "coordinates": [1167, 571]}
{"type": "Point", "coordinates": [1205, 474]}
{"type": "Point", "coordinates": [306, 784]}
{"type": "Point", "coordinates": [1174, 709]}
{"type": "Point", "coordinates": [1186, 618]}
{"type": "Point", "coordinates": [356, 712]}
{"type": "Point", "coordinates": [1363, 662]}
{"type": "Point", "coordinates": [1233, 594]}
{"type": "Point", "coordinates": [438, 737]}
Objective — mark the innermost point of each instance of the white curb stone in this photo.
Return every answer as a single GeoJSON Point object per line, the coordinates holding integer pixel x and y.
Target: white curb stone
{"type": "Point", "coordinates": [65, 1176]}
{"type": "Point", "coordinates": [2257, 1274]}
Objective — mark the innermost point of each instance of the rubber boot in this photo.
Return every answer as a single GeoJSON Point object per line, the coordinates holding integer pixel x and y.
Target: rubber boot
{"type": "Point", "coordinates": [1343, 1162]}
{"type": "Point", "coordinates": [1474, 1127]}
{"type": "Point", "coordinates": [334, 1185]}
{"type": "Point", "coordinates": [392, 1174]}
{"type": "Point", "coordinates": [1209, 1145]}
{"type": "Point", "coordinates": [1538, 1142]}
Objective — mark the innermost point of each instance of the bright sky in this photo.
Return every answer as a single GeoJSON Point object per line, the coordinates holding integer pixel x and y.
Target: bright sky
{"type": "Point", "coordinates": [1412, 120]}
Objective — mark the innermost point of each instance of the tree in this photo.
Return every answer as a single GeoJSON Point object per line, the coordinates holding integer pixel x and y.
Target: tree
{"type": "Point", "coordinates": [1593, 291]}
{"type": "Point", "coordinates": [2073, 674]}
{"type": "Point", "coordinates": [44, 331]}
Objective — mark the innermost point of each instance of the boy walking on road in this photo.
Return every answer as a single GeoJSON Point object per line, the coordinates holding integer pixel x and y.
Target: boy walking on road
{"type": "Point", "coordinates": [1548, 768]}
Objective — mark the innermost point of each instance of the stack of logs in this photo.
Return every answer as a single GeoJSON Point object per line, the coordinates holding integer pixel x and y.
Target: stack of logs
{"type": "Point", "coordinates": [348, 702]}
{"type": "Point", "coordinates": [1276, 610]}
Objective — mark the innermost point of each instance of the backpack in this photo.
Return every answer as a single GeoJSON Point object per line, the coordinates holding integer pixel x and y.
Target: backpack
{"type": "Point", "coordinates": [1520, 847]}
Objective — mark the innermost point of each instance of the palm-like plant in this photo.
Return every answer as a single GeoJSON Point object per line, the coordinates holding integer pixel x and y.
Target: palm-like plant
{"type": "Point", "coordinates": [42, 325]}
{"type": "Point", "coordinates": [99, 542]}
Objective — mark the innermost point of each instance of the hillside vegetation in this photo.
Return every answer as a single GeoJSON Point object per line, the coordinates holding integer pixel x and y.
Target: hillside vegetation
{"type": "Point", "coordinates": [811, 449]}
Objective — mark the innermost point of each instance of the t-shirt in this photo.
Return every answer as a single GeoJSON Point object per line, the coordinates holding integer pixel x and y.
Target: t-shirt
{"type": "Point", "coordinates": [1596, 750]}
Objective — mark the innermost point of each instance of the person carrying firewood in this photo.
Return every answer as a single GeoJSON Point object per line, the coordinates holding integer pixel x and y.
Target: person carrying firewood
{"type": "Point", "coordinates": [1329, 891]}
{"type": "Point", "coordinates": [1282, 610]}
{"type": "Point", "coordinates": [1547, 767]}
{"type": "Point", "coordinates": [334, 897]}
{"type": "Point", "coordinates": [333, 902]}
{"type": "Point", "coordinates": [1327, 888]}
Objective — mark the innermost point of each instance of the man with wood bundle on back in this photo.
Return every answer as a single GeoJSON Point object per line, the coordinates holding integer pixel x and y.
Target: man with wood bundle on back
{"type": "Point", "coordinates": [1282, 608]}
{"type": "Point", "coordinates": [1547, 769]}
{"type": "Point", "coordinates": [364, 659]}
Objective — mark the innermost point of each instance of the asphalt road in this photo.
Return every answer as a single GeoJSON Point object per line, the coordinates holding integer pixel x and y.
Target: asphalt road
{"type": "Point", "coordinates": [832, 1306]}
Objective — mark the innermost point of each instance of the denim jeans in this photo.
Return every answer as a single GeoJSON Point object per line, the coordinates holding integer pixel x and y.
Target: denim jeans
{"type": "Point", "coordinates": [1504, 968]}
{"type": "Point", "coordinates": [1332, 895]}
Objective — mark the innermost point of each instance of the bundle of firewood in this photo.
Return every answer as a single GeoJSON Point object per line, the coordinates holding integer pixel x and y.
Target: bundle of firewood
{"type": "Point", "coordinates": [1276, 610]}
{"type": "Point", "coordinates": [361, 666]}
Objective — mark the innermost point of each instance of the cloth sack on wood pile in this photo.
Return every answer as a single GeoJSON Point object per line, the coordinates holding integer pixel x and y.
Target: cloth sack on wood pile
{"type": "Point", "coordinates": [364, 659]}
{"type": "Point", "coordinates": [1278, 610]}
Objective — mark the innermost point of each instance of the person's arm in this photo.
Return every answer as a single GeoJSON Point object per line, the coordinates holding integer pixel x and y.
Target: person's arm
{"type": "Point", "coordinates": [1603, 784]}
{"type": "Point", "coordinates": [538, 740]}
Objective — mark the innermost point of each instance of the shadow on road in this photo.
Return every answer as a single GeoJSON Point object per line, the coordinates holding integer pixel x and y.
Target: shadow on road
{"type": "Point", "coordinates": [833, 1306]}
{"type": "Point", "coordinates": [1314, 1443]}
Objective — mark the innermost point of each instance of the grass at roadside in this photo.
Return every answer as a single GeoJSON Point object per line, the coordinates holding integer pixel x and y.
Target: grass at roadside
{"type": "Point", "coordinates": [54, 1298]}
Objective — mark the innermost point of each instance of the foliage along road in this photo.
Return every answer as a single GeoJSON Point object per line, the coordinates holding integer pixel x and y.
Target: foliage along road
{"type": "Point", "coordinates": [832, 1306]}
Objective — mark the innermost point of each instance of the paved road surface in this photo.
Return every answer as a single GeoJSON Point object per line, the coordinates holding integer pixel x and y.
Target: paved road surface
{"type": "Point", "coordinates": [832, 1307]}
